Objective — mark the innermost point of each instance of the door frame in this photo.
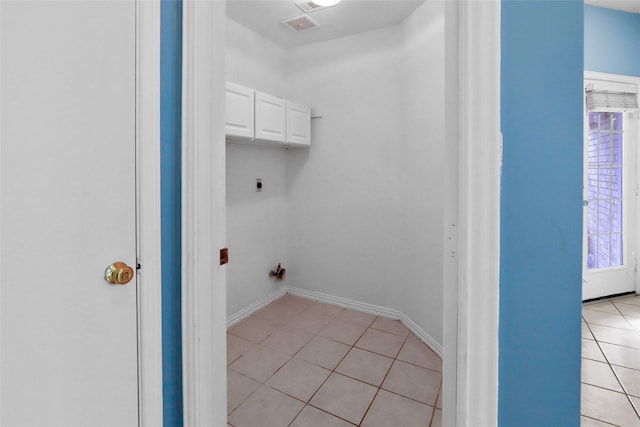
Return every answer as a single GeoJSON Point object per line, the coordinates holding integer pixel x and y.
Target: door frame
{"type": "Point", "coordinates": [619, 78]}
{"type": "Point", "coordinates": [149, 321]}
{"type": "Point", "coordinates": [476, 311]}
{"type": "Point", "coordinates": [150, 404]}
{"type": "Point", "coordinates": [471, 291]}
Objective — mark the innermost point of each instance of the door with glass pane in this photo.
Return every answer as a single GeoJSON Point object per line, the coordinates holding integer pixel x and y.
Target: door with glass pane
{"type": "Point", "coordinates": [610, 202]}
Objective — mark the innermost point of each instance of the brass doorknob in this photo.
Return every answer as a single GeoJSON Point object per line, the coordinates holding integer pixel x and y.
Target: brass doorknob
{"type": "Point", "coordinates": [118, 273]}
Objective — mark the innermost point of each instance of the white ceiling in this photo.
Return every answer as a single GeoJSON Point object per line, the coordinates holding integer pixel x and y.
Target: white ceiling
{"type": "Point", "coordinates": [346, 18]}
{"type": "Point", "coordinates": [626, 5]}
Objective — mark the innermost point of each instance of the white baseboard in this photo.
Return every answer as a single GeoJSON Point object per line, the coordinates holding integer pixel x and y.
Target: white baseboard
{"type": "Point", "coordinates": [248, 311]}
{"type": "Point", "coordinates": [343, 302]}
{"type": "Point", "coordinates": [371, 309]}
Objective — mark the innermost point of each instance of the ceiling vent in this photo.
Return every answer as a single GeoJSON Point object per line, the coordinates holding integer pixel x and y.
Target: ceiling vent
{"type": "Point", "coordinates": [309, 6]}
{"type": "Point", "coordinates": [301, 23]}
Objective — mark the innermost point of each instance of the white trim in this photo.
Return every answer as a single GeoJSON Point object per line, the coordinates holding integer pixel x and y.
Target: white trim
{"type": "Point", "coordinates": [376, 310]}
{"type": "Point", "coordinates": [476, 317]}
{"type": "Point", "coordinates": [1, 186]}
{"type": "Point", "coordinates": [148, 199]}
{"type": "Point", "coordinates": [450, 215]}
{"type": "Point", "coordinates": [203, 214]}
{"type": "Point", "coordinates": [615, 79]}
{"type": "Point", "coordinates": [479, 212]}
{"type": "Point", "coordinates": [239, 316]}
{"type": "Point", "coordinates": [371, 309]}
{"type": "Point", "coordinates": [611, 78]}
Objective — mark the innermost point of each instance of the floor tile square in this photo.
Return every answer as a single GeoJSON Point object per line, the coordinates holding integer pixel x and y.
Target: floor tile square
{"type": "Point", "coordinates": [288, 341]}
{"type": "Point", "coordinates": [606, 319]}
{"type": "Point", "coordinates": [323, 352]}
{"type": "Point", "coordinates": [380, 342]}
{"type": "Point", "coordinates": [254, 329]}
{"type": "Point", "coordinates": [608, 406]}
{"type": "Point", "coordinates": [365, 366]}
{"type": "Point", "coordinates": [590, 422]}
{"type": "Point", "coordinates": [266, 407]}
{"type": "Point", "coordinates": [586, 333]}
{"type": "Point", "coordinates": [599, 374]}
{"type": "Point", "coordinates": [437, 418]}
{"type": "Point", "coordinates": [239, 388]}
{"type": "Point", "coordinates": [418, 353]}
{"type": "Point", "coordinates": [632, 310]}
{"type": "Point", "coordinates": [591, 350]}
{"type": "Point", "coordinates": [413, 382]}
{"type": "Point", "coordinates": [635, 401]}
{"type": "Point", "coordinates": [312, 417]}
{"type": "Point", "coordinates": [630, 379]}
{"type": "Point", "coordinates": [260, 363]}
{"type": "Point", "coordinates": [344, 397]}
{"type": "Point", "coordinates": [389, 409]}
{"type": "Point", "coordinates": [342, 331]}
{"type": "Point", "coordinates": [295, 300]}
{"type": "Point", "coordinates": [621, 356]}
{"type": "Point", "coordinates": [279, 313]}
{"type": "Point", "coordinates": [357, 317]}
{"type": "Point", "coordinates": [389, 325]}
{"type": "Point", "coordinates": [236, 347]}
{"type": "Point", "coordinates": [309, 321]}
{"type": "Point", "coordinates": [631, 299]}
{"type": "Point", "coordinates": [326, 309]}
{"type": "Point", "coordinates": [605, 334]}
{"type": "Point", "coordinates": [635, 322]}
{"type": "Point", "coordinates": [604, 306]}
{"type": "Point", "coordinates": [299, 379]}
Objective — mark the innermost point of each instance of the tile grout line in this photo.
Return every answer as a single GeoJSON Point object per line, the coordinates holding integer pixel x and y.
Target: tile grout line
{"type": "Point", "coordinates": [383, 379]}
{"type": "Point", "coordinates": [633, 405]}
{"type": "Point", "coordinates": [597, 341]}
{"type": "Point", "coordinates": [307, 309]}
{"type": "Point", "coordinates": [435, 406]}
{"type": "Point", "coordinates": [332, 371]}
{"type": "Point", "coordinates": [262, 383]}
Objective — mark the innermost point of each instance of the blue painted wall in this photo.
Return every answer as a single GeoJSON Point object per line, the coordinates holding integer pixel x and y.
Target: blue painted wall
{"type": "Point", "coordinates": [170, 143]}
{"type": "Point", "coordinates": [541, 213]}
{"type": "Point", "coordinates": [611, 41]}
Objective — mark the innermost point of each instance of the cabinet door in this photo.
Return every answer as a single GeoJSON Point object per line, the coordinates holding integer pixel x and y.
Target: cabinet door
{"type": "Point", "coordinates": [271, 119]}
{"type": "Point", "coordinates": [298, 124]}
{"type": "Point", "coordinates": [239, 117]}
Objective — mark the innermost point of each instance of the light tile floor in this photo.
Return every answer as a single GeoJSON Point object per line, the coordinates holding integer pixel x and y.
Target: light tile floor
{"type": "Point", "coordinates": [611, 362]}
{"type": "Point", "coordinates": [303, 363]}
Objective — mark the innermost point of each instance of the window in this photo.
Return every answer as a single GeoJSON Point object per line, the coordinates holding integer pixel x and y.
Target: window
{"type": "Point", "coordinates": [605, 172]}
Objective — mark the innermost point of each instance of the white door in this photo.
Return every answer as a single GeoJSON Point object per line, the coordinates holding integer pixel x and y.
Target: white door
{"type": "Point", "coordinates": [610, 204]}
{"type": "Point", "coordinates": [67, 198]}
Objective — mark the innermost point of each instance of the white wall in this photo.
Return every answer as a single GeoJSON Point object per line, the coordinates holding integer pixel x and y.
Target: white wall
{"type": "Point", "coordinates": [366, 201]}
{"type": "Point", "coordinates": [256, 221]}
{"type": "Point", "coordinates": [359, 215]}
{"type": "Point", "coordinates": [253, 61]}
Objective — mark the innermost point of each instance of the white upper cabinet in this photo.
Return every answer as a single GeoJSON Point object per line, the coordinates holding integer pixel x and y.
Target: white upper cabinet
{"type": "Point", "coordinates": [259, 118]}
{"type": "Point", "coordinates": [298, 124]}
{"type": "Point", "coordinates": [271, 118]}
{"type": "Point", "coordinates": [239, 111]}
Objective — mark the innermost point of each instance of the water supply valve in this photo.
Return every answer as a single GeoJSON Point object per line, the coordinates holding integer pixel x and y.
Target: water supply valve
{"type": "Point", "coordinates": [278, 272]}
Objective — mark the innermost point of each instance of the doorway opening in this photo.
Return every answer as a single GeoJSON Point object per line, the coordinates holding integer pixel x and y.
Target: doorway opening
{"type": "Point", "coordinates": [611, 310]}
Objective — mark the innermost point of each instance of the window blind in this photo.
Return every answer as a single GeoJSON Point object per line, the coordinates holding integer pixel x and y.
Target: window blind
{"type": "Point", "coordinates": [612, 98]}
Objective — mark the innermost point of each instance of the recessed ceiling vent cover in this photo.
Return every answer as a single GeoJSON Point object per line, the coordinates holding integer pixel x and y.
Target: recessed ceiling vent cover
{"type": "Point", "coordinates": [301, 23]}
{"type": "Point", "coordinates": [309, 6]}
